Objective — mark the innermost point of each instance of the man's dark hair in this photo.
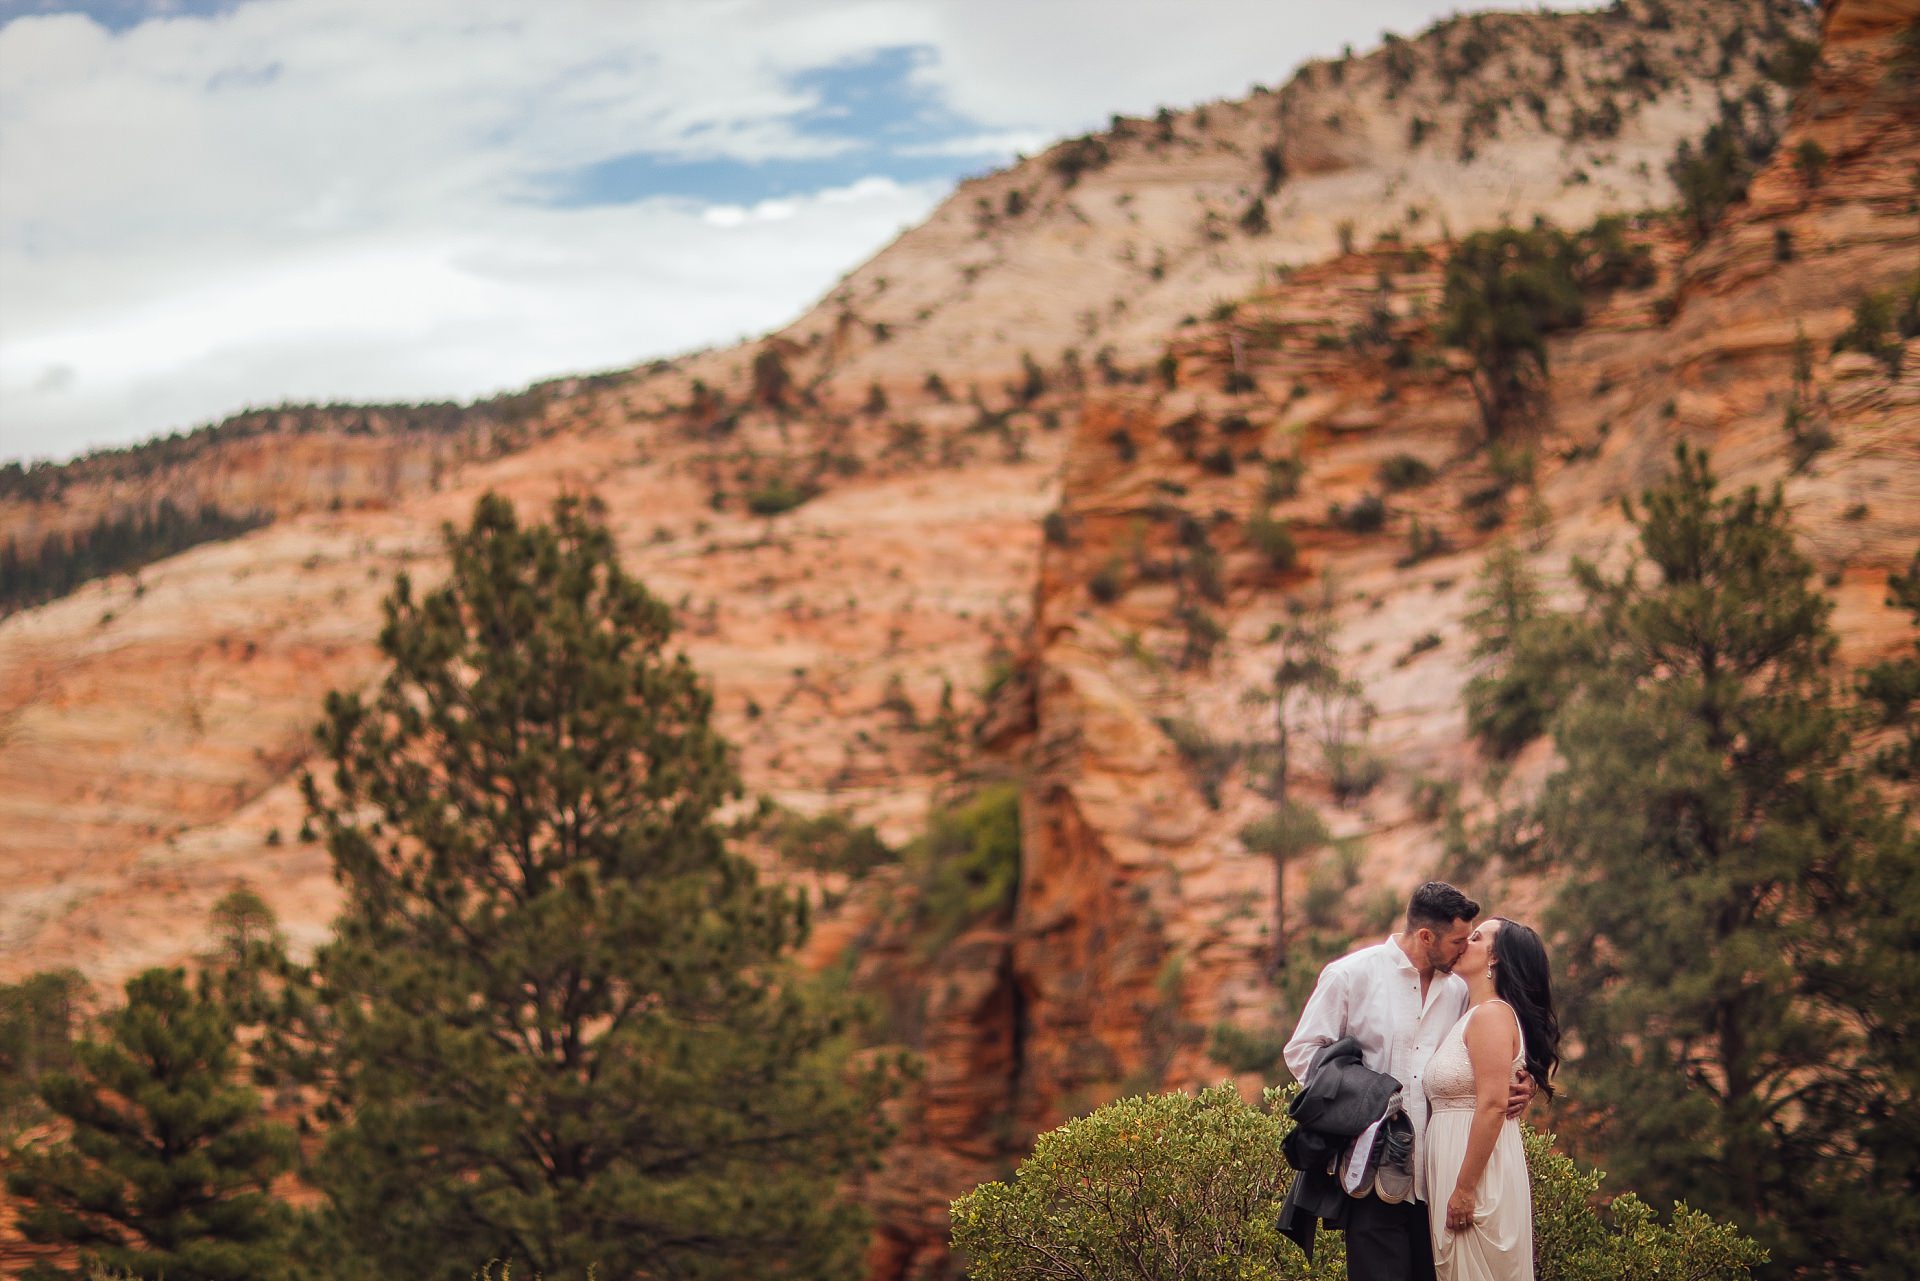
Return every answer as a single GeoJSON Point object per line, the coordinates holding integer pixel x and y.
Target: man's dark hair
{"type": "Point", "coordinates": [1436, 905]}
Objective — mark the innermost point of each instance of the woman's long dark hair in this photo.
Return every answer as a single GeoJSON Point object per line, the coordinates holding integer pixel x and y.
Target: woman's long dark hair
{"type": "Point", "coordinates": [1523, 979]}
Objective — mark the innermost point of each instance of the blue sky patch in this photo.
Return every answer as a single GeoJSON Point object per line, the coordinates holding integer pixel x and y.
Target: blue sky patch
{"type": "Point", "coordinates": [869, 106]}
{"type": "Point", "coordinates": [117, 15]}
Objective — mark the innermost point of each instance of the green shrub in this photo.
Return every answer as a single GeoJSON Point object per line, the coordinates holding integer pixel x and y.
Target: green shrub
{"type": "Point", "coordinates": [1188, 1186]}
{"type": "Point", "coordinates": [38, 1018]}
{"type": "Point", "coordinates": [1506, 291]}
{"type": "Point", "coordinates": [829, 843]}
{"type": "Point", "coordinates": [776, 496]}
{"type": "Point", "coordinates": [1273, 539]}
{"type": "Point", "coordinates": [1208, 760]}
{"type": "Point", "coordinates": [967, 864]}
{"type": "Point", "coordinates": [1424, 541]}
{"type": "Point", "coordinates": [1076, 156]}
{"type": "Point", "coordinates": [1254, 220]}
{"type": "Point", "coordinates": [1404, 471]}
{"type": "Point", "coordinates": [1353, 770]}
{"type": "Point", "coordinates": [1246, 1049]}
{"type": "Point", "coordinates": [1713, 172]}
{"type": "Point", "coordinates": [1811, 160]}
{"type": "Point", "coordinates": [1877, 320]}
{"type": "Point", "coordinates": [1367, 515]}
{"type": "Point", "coordinates": [1292, 829]}
{"type": "Point", "coordinates": [1160, 1186]}
{"type": "Point", "coordinates": [1283, 479]}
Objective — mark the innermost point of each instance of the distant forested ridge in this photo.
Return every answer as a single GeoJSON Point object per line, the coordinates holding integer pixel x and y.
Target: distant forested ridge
{"type": "Point", "coordinates": [113, 544]}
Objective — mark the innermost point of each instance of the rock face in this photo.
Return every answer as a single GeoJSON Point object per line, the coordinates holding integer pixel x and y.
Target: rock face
{"type": "Point", "coordinates": [1042, 495]}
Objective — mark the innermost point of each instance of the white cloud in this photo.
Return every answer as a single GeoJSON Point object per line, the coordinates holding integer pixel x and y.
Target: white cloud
{"type": "Point", "coordinates": [449, 314]}
{"type": "Point", "coordinates": [348, 198]}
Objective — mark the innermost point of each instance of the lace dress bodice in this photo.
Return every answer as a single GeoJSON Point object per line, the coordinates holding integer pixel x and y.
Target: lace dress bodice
{"type": "Point", "coordinates": [1449, 1075]}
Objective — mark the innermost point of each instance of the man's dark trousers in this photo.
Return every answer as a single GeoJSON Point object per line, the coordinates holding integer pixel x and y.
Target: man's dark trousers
{"type": "Point", "coordinates": [1388, 1242]}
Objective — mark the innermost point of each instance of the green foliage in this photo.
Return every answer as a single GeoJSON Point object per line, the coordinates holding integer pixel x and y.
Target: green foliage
{"type": "Point", "coordinates": [1186, 1187]}
{"type": "Point", "coordinates": [1793, 65]}
{"type": "Point", "coordinates": [1253, 220]}
{"type": "Point", "coordinates": [829, 842]}
{"type": "Point", "coordinates": [1273, 539]}
{"type": "Point", "coordinates": [771, 378]}
{"type": "Point", "coordinates": [560, 1023]}
{"type": "Point", "coordinates": [1733, 884]}
{"type": "Point", "coordinates": [1606, 257]}
{"type": "Point", "coordinates": [1810, 158]}
{"type": "Point", "coordinates": [1404, 471]}
{"type": "Point", "coordinates": [1424, 541]}
{"type": "Point", "coordinates": [967, 864]}
{"type": "Point", "coordinates": [1290, 831]}
{"type": "Point", "coordinates": [1273, 167]}
{"type": "Point", "coordinates": [1077, 156]}
{"type": "Point", "coordinates": [1033, 380]}
{"type": "Point", "coordinates": [1574, 1240]}
{"type": "Point", "coordinates": [167, 1168]}
{"type": "Point", "coordinates": [1505, 292]}
{"type": "Point", "coordinates": [38, 1018]}
{"type": "Point", "coordinates": [1712, 173]}
{"type": "Point", "coordinates": [1306, 696]}
{"type": "Point", "coordinates": [1159, 1188]}
{"type": "Point", "coordinates": [113, 544]}
{"type": "Point", "coordinates": [1524, 652]}
{"type": "Point", "coordinates": [1891, 687]}
{"type": "Point", "coordinates": [1365, 515]}
{"type": "Point", "coordinates": [1208, 759]}
{"type": "Point", "coordinates": [1879, 325]}
{"type": "Point", "coordinates": [777, 495]}
{"type": "Point", "coordinates": [1248, 1049]}
{"type": "Point", "coordinates": [1282, 479]}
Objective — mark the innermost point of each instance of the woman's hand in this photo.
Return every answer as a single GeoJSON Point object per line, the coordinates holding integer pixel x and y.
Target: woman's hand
{"type": "Point", "coordinates": [1460, 1210]}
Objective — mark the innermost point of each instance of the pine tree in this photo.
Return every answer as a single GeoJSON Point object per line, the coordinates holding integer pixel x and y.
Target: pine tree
{"type": "Point", "coordinates": [1506, 290]}
{"type": "Point", "coordinates": [1720, 924]}
{"type": "Point", "coordinates": [564, 1032]}
{"type": "Point", "coordinates": [38, 1019]}
{"type": "Point", "coordinates": [167, 1169]}
{"type": "Point", "coordinates": [1306, 669]}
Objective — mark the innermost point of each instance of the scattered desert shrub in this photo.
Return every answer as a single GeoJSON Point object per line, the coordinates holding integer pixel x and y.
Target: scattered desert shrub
{"type": "Point", "coordinates": [1404, 471]}
{"type": "Point", "coordinates": [1881, 322]}
{"type": "Point", "coordinates": [1208, 759]}
{"type": "Point", "coordinates": [777, 495]}
{"type": "Point", "coordinates": [1712, 172]}
{"type": "Point", "coordinates": [1273, 539]}
{"type": "Point", "coordinates": [830, 842]}
{"type": "Point", "coordinates": [966, 865]}
{"type": "Point", "coordinates": [1077, 156]}
{"type": "Point", "coordinates": [1365, 515]}
{"type": "Point", "coordinates": [1283, 479]}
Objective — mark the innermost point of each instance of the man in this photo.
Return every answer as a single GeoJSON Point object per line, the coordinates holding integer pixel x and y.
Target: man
{"type": "Point", "coordinates": [1398, 999]}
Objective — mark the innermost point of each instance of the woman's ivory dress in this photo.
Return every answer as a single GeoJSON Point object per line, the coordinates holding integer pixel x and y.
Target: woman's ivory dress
{"type": "Point", "coordinates": [1499, 1245]}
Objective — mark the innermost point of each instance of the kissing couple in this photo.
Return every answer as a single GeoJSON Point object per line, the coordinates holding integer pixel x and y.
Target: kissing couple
{"type": "Point", "coordinates": [1446, 1030]}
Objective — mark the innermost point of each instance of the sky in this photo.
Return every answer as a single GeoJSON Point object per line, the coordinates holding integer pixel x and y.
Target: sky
{"type": "Point", "coordinates": [207, 205]}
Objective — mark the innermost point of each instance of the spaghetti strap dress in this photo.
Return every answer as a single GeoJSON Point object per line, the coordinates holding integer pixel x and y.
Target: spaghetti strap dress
{"type": "Point", "coordinates": [1499, 1244]}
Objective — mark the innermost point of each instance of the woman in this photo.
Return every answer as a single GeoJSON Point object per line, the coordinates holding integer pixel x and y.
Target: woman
{"type": "Point", "coordinates": [1481, 1207]}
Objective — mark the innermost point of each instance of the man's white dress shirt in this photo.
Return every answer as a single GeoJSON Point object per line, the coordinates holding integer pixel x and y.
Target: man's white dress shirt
{"type": "Point", "coordinates": [1373, 995]}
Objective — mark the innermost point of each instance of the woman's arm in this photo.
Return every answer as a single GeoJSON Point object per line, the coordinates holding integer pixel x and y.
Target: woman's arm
{"type": "Point", "coordinates": [1491, 1045]}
